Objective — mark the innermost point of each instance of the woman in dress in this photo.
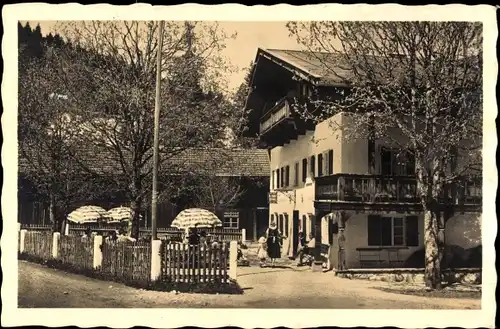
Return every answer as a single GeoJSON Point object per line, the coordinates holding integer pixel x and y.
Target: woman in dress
{"type": "Point", "coordinates": [273, 236]}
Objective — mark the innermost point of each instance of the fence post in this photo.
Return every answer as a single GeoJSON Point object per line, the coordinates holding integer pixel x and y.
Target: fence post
{"type": "Point", "coordinates": [243, 234]}
{"type": "Point", "coordinates": [22, 240]}
{"type": "Point", "coordinates": [55, 245]}
{"type": "Point", "coordinates": [155, 260]}
{"type": "Point", "coordinates": [97, 251]}
{"type": "Point", "coordinates": [233, 259]}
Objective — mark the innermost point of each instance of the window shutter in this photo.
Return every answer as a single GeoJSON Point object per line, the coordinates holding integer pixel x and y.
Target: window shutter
{"type": "Point", "coordinates": [330, 162]}
{"type": "Point", "coordinates": [296, 174]}
{"type": "Point", "coordinates": [272, 179]}
{"type": "Point", "coordinates": [374, 230]}
{"type": "Point", "coordinates": [304, 170]}
{"type": "Point", "coordinates": [320, 165]}
{"type": "Point", "coordinates": [313, 166]}
{"type": "Point", "coordinates": [327, 163]}
{"type": "Point", "coordinates": [304, 226]}
{"type": "Point", "coordinates": [412, 231]}
{"type": "Point", "coordinates": [386, 231]}
{"type": "Point", "coordinates": [282, 177]}
{"type": "Point", "coordinates": [287, 176]}
{"type": "Point", "coordinates": [278, 181]}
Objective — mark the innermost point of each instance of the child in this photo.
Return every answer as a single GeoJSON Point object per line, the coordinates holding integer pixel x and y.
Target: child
{"type": "Point", "coordinates": [262, 251]}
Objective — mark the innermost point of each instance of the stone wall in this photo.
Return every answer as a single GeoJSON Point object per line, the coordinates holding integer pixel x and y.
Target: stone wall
{"type": "Point", "coordinates": [466, 275]}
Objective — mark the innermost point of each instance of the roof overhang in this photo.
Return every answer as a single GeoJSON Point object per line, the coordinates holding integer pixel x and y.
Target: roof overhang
{"type": "Point", "coordinates": [301, 73]}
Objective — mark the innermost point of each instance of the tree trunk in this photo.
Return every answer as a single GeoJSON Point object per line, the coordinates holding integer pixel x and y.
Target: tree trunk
{"type": "Point", "coordinates": [136, 206]}
{"type": "Point", "coordinates": [54, 219]}
{"type": "Point", "coordinates": [432, 275]}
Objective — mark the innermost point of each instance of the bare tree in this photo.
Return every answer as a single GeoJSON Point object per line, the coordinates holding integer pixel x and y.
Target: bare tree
{"type": "Point", "coordinates": [219, 182]}
{"type": "Point", "coordinates": [216, 178]}
{"type": "Point", "coordinates": [109, 76]}
{"type": "Point", "coordinates": [46, 141]}
{"type": "Point", "coordinates": [423, 79]}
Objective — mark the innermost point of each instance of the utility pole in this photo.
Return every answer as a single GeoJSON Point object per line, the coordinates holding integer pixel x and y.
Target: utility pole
{"type": "Point", "coordinates": [156, 142]}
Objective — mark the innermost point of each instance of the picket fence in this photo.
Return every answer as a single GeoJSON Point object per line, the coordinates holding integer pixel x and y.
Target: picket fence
{"type": "Point", "coordinates": [169, 233]}
{"type": "Point", "coordinates": [75, 251]}
{"type": "Point", "coordinates": [139, 262]}
{"type": "Point", "coordinates": [128, 260]}
{"type": "Point", "coordinates": [38, 244]}
{"type": "Point", "coordinates": [198, 264]}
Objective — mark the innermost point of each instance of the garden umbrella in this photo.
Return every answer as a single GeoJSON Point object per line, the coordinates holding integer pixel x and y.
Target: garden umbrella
{"type": "Point", "coordinates": [87, 214]}
{"type": "Point", "coordinates": [121, 214]}
{"type": "Point", "coordinates": [195, 217]}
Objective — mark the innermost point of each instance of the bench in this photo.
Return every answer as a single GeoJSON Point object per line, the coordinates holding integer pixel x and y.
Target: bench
{"type": "Point", "coordinates": [372, 257]}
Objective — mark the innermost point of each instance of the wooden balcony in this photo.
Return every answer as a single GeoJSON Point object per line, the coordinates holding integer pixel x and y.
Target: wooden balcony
{"type": "Point", "coordinates": [376, 191]}
{"type": "Point", "coordinates": [280, 124]}
{"type": "Point", "coordinates": [275, 115]}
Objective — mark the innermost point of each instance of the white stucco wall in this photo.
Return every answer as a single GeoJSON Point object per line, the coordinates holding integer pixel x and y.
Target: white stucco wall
{"type": "Point", "coordinates": [461, 230]}
{"type": "Point", "coordinates": [324, 138]}
{"type": "Point", "coordinates": [303, 201]}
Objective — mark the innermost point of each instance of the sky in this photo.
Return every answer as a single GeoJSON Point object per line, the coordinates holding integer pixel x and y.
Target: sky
{"type": "Point", "coordinates": [240, 51]}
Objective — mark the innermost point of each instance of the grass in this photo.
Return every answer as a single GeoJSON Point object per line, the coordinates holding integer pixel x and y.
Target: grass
{"type": "Point", "coordinates": [443, 293]}
{"type": "Point", "coordinates": [230, 288]}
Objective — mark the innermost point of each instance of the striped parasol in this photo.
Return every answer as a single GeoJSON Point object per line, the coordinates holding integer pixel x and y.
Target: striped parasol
{"type": "Point", "coordinates": [121, 214]}
{"type": "Point", "coordinates": [195, 217]}
{"type": "Point", "coordinates": [87, 214]}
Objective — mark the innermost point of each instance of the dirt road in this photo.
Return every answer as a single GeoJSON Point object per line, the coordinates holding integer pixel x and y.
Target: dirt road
{"type": "Point", "coordinates": [264, 288]}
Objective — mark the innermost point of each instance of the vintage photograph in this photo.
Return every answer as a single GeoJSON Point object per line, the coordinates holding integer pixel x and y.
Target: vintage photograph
{"type": "Point", "coordinates": [299, 164]}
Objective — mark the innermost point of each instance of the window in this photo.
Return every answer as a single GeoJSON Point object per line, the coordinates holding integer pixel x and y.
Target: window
{"type": "Point", "coordinates": [278, 181]}
{"type": "Point", "coordinates": [231, 219]}
{"type": "Point", "coordinates": [395, 162]}
{"type": "Point", "coordinates": [282, 177]}
{"type": "Point", "coordinates": [304, 170]}
{"type": "Point", "coordinates": [313, 166]}
{"type": "Point", "coordinates": [285, 227]}
{"type": "Point", "coordinates": [330, 163]}
{"type": "Point", "coordinates": [398, 238]}
{"type": "Point", "coordinates": [287, 176]}
{"type": "Point", "coordinates": [320, 165]}
{"type": "Point", "coordinates": [296, 175]}
{"type": "Point", "coordinates": [392, 231]}
{"type": "Point", "coordinates": [280, 223]}
{"type": "Point", "coordinates": [272, 179]}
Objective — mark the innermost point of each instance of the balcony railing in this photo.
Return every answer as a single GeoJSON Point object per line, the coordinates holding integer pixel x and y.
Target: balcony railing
{"type": "Point", "coordinates": [398, 189]}
{"type": "Point", "coordinates": [277, 113]}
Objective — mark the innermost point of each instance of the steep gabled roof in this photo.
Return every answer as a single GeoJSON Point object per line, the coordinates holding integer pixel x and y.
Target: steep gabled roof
{"type": "Point", "coordinates": [309, 65]}
{"type": "Point", "coordinates": [328, 69]}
